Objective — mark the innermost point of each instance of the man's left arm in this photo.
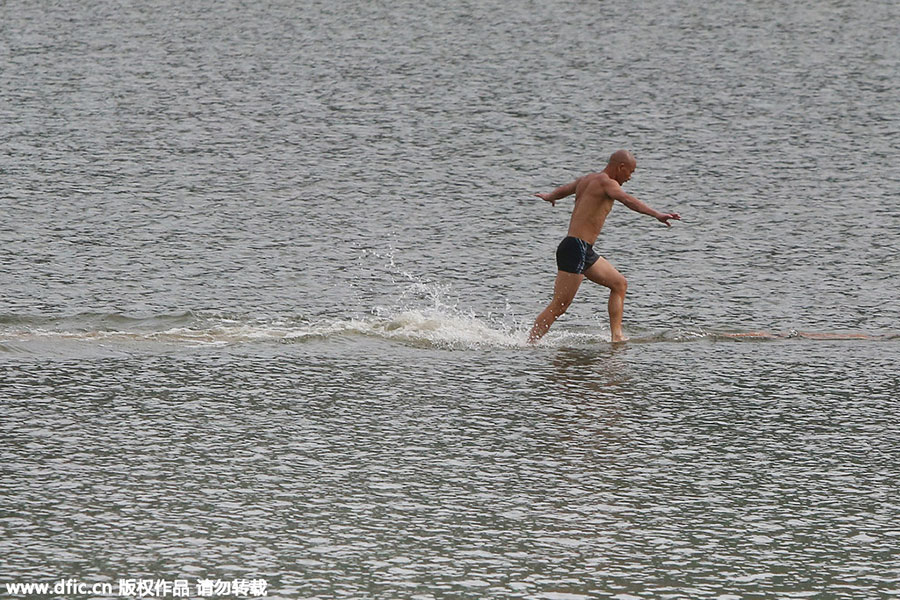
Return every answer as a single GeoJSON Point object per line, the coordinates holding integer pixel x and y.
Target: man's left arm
{"type": "Point", "coordinates": [638, 206]}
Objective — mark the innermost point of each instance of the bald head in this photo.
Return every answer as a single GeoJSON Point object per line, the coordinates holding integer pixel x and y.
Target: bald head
{"type": "Point", "coordinates": [621, 165]}
{"type": "Point", "coordinates": [622, 157]}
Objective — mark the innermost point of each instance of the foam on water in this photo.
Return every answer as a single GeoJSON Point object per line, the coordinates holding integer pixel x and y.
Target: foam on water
{"type": "Point", "coordinates": [449, 330]}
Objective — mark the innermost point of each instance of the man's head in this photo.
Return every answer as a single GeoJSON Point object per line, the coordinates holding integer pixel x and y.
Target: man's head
{"type": "Point", "coordinates": [621, 165]}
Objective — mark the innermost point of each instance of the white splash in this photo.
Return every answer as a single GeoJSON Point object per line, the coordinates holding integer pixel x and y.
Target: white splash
{"type": "Point", "coordinates": [432, 327]}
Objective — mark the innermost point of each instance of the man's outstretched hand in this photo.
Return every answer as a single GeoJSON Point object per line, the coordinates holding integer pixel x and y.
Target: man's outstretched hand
{"type": "Point", "coordinates": [547, 198]}
{"type": "Point", "coordinates": [665, 218]}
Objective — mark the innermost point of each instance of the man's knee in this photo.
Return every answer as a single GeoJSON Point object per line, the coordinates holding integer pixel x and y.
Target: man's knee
{"type": "Point", "coordinates": [619, 285]}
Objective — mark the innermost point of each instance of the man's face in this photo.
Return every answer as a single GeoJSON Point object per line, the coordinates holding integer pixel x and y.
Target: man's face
{"type": "Point", "coordinates": [625, 172]}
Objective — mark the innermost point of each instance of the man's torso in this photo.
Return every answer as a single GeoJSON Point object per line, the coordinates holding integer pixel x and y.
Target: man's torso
{"type": "Point", "coordinates": [592, 205]}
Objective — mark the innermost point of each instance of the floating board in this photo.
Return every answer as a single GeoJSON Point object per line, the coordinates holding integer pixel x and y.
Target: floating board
{"type": "Point", "coordinates": [768, 335]}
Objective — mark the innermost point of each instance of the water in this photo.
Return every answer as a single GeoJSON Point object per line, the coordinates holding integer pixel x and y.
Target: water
{"type": "Point", "coordinates": [268, 269]}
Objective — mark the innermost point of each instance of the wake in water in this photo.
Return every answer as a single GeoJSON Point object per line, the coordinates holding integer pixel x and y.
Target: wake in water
{"type": "Point", "coordinates": [424, 314]}
{"type": "Point", "coordinates": [430, 328]}
{"type": "Point", "coordinates": [420, 313]}
{"type": "Point", "coordinates": [433, 327]}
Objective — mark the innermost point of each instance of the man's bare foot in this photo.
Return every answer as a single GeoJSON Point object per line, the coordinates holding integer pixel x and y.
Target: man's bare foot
{"type": "Point", "coordinates": [618, 339]}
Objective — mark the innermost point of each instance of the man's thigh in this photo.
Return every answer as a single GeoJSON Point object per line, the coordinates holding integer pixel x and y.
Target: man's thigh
{"type": "Point", "coordinates": [605, 274]}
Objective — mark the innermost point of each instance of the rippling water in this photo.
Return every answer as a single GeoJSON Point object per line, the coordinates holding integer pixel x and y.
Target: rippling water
{"type": "Point", "coordinates": [266, 272]}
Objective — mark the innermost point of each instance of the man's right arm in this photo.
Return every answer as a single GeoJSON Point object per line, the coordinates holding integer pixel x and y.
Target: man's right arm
{"type": "Point", "coordinates": [560, 192]}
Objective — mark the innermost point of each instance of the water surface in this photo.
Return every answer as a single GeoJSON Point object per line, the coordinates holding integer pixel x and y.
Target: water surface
{"type": "Point", "coordinates": [268, 269]}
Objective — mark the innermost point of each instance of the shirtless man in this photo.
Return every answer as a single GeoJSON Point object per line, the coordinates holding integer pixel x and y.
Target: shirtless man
{"type": "Point", "coordinates": [575, 256]}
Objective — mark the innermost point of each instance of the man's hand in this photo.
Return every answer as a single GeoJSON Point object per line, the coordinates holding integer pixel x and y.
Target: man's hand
{"type": "Point", "coordinates": [548, 198]}
{"type": "Point", "coordinates": [665, 218]}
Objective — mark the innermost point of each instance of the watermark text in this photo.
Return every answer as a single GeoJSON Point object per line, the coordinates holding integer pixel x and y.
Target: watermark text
{"type": "Point", "coordinates": [144, 588]}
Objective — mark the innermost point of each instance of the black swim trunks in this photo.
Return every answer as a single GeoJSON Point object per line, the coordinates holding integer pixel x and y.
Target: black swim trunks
{"type": "Point", "coordinates": [575, 255]}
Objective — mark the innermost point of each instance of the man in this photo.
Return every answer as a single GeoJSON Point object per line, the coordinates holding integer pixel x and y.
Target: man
{"type": "Point", "coordinates": [575, 256]}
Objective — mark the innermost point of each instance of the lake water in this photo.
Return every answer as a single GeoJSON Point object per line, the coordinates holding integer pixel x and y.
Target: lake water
{"type": "Point", "coordinates": [267, 270]}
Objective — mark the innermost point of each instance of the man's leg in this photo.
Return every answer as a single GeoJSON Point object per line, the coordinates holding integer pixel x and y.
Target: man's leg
{"type": "Point", "coordinates": [606, 275]}
{"type": "Point", "coordinates": [563, 293]}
